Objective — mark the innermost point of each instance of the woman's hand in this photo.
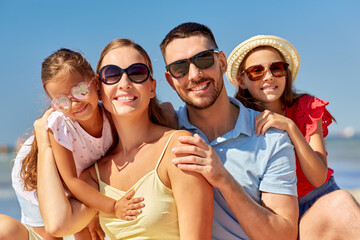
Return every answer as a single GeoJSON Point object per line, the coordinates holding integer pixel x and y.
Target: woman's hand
{"type": "Point", "coordinates": [267, 119]}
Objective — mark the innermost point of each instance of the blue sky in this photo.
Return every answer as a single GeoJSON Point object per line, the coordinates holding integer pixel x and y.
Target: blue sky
{"type": "Point", "coordinates": [325, 33]}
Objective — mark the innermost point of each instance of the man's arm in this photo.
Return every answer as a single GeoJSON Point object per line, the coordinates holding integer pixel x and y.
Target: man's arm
{"type": "Point", "coordinates": [275, 218]}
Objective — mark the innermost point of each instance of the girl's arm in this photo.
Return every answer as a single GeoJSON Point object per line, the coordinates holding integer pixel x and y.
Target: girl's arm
{"type": "Point", "coordinates": [193, 196]}
{"type": "Point", "coordinates": [87, 194]}
{"type": "Point", "coordinates": [311, 156]}
{"type": "Point", "coordinates": [61, 215]}
{"type": "Point", "coordinates": [81, 190]}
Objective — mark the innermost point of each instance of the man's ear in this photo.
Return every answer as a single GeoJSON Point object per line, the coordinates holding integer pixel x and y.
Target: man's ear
{"type": "Point", "coordinates": [169, 79]}
{"type": "Point", "coordinates": [223, 62]}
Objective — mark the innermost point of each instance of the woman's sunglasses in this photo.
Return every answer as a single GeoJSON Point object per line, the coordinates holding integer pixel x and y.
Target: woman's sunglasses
{"type": "Point", "coordinates": [137, 73]}
{"type": "Point", "coordinates": [201, 60]}
{"type": "Point", "coordinates": [258, 72]}
{"type": "Point", "coordinates": [80, 92]}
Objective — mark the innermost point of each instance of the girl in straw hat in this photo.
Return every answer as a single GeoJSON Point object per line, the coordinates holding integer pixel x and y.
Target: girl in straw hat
{"type": "Point", "coordinates": [263, 69]}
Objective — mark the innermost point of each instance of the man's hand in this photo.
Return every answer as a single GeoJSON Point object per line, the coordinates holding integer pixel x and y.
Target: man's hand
{"type": "Point", "coordinates": [197, 156]}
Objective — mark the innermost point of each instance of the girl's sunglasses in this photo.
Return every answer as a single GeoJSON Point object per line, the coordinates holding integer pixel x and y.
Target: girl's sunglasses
{"type": "Point", "coordinates": [202, 60]}
{"type": "Point", "coordinates": [80, 92]}
{"type": "Point", "coordinates": [258, 72]}
{"type": "Point", "coordinates": [137, 73]}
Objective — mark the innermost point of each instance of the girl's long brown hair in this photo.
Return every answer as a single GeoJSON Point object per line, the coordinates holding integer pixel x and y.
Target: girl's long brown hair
{"type": "Point", "coordinates": [60, 62]}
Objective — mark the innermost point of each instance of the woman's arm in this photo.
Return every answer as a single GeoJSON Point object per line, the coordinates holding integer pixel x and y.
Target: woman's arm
{"type": "Point", "coordinates": [61, 215]}
{"type": "Point", "coordinates": [311, 156]}
{"type": "Point", "coordinates": [193, 196]}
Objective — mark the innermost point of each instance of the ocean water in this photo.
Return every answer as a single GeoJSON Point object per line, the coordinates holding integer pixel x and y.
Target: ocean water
{"type": "Point", "coordinates": [343, 157]}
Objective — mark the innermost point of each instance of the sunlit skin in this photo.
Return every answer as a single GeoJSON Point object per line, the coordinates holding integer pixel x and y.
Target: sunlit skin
{"type": "Point", "coordinates": [126, 96]}
{"type": "Point", "coordinates": [81, 111]}
{"type": "Point", "coordinates": [199, 88]}
{"type": "Point", "coordinates": [270, 88]}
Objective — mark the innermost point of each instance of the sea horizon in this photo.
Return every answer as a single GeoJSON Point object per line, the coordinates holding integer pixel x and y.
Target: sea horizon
{"type": "Point", "coordinates": [343, 158]}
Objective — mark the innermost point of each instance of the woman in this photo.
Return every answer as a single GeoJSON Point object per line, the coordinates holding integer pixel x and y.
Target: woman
{"type": "Point", "coordinates": [177, 204]}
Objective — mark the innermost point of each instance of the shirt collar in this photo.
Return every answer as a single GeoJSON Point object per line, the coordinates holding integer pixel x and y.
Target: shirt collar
{"type": "Point", "coordinates": [244, 123]}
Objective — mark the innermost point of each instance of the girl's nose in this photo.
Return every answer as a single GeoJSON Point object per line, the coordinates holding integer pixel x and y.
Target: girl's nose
{"type": "Point", "coordinates": [268, 75]}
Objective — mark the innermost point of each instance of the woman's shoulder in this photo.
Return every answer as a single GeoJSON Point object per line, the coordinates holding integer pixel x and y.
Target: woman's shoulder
{"type": "Point", "coordinates": [173, 135]}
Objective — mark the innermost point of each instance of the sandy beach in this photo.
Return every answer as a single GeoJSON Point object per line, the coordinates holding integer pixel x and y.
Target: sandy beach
{"type": "Point", "coordinates": [356, 194]}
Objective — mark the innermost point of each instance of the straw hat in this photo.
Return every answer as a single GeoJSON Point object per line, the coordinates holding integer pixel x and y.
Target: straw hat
{"type": "Point", "coordinates": [238, 54]}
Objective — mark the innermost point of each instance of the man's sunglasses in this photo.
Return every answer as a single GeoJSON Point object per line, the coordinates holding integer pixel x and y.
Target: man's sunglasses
{"type": "Point", "coordinates": [137, 73]}
{"type": "Point", "coordinates": [258, 72]}
{"type": "Point", "coordinates": [80, 92]}
{"type": "Point", "coordinates": [201, 60]}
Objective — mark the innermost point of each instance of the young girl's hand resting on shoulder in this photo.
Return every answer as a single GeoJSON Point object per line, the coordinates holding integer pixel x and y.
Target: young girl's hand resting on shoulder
{"type": "Point", "coordinates": [267, 119]}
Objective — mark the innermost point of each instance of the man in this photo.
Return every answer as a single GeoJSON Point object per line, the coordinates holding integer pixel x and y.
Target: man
{"type": "Point", "coordinates": [254, 177]}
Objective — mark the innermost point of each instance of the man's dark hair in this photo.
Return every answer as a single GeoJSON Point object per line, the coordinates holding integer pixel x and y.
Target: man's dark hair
{"type": "Point", "coordinates": [185, 30]}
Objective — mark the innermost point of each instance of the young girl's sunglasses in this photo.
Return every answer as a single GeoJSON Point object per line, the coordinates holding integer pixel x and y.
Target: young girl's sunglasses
{"type": "Point", "coordinates": [137, 73]}
{"type": "Point", "coordinates": [258, 72]}
{"type": "Point", "coordinates": [202, 60]}
{"type": "Point", "coordinates": [80, 92]}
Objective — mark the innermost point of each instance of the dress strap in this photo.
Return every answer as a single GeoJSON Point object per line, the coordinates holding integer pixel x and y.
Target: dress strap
{"type": "Point", "coordinates": [97, 172]}
{"type": "Point", "coordinates": [163, 152]}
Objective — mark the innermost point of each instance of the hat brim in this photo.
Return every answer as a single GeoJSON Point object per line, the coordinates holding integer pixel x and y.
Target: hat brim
{"type": "Point", "coordinates": [236, 57]}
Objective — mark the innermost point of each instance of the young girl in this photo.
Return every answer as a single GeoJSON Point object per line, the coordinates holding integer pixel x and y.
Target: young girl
{"type": "Point", "coordinates": [177, 203]}
{"type": "Point", "coordinates": [264, 68]}
{"type": "Point", "coordinates": [81, 133]}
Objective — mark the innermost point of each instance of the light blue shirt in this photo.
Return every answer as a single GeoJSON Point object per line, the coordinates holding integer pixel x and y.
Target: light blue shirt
{"type": "Point", "coordinates": [259, 163]}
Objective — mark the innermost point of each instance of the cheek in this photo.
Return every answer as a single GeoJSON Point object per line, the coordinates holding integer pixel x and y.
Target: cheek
{"type": "Point", "coordinates": [105, 93]}
{"type": "Point", "coordinates": [252, 86]}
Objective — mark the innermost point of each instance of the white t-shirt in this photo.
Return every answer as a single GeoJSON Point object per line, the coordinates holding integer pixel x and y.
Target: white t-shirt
{"type": "Point", "coordinates": [17, 182]}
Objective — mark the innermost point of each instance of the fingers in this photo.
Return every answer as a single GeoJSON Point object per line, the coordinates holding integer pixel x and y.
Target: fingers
{"type": "Point", "coordinates": [195, 140]}
{"type": "Point", "coordinates": [48, 112]}
{"type": "Point", "coordinates": [190, 160]}
{"type": "Point", "coordinates": [191, 168]}
{"type": "Point", "coordinates": [129, 194]}
{"type": "Point", "coordinates": [189, 150]}
{"type": "Point", "coordinates": [260, 120]}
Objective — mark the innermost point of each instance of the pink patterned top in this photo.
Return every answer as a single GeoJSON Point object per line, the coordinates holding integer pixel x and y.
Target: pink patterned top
{"type": "Point", "coordinates": [86, 149]}
{"type": "Point", "coordinates": [305, 112]}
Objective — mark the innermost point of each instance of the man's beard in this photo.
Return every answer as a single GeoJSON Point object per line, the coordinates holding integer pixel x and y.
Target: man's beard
{"type": "Point", "coordinates": [210, 99]}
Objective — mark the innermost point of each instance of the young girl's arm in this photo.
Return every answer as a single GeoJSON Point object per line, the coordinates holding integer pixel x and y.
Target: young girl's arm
{"type": "Point", "coordinates": [311, 156]}
{"type": "Point", "coordinates": [84, 192]}
{"type": "Point", "coordinates": [61, 216]}
{"type": "Point", "coordinates": [193, 196]}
